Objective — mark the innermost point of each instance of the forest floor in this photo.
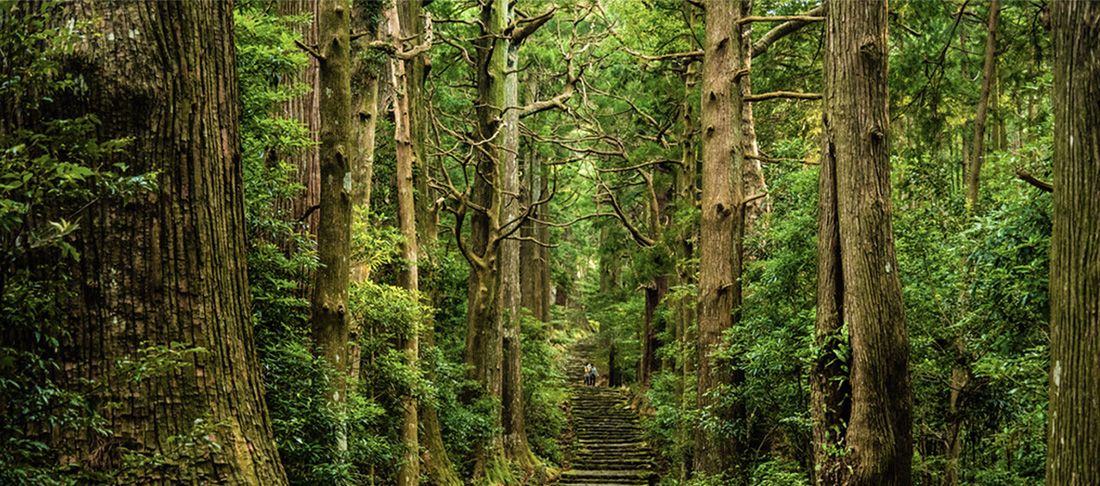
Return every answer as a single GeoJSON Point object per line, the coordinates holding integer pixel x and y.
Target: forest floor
{"type": "Point", "coordinates": [607, 447]}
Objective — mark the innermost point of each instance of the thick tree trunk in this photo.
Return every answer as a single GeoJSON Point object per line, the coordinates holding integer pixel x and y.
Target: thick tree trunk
{"type": "Point", "coordinates": [330, 288]}
{"type": "Point", "coordinates": [167, 266]}
{"type": "Point", "coordinates": [830, 389]}
{"type": "Point", "coordinates": [400, 17]}
{"type": "Point", "coordinates": [875, 446]}
{"type": "Point", "coordinates": [484, 324]}
{"type": "Point", "coordinates": [1073, 435]}
{"type": "Point", "coordinates": [989, 71]}
{"type": "Point", "coordinates": [720, 227]}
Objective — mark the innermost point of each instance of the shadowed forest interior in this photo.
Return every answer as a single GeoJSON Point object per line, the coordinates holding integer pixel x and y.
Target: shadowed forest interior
{"type": "Point", "coordinates": [535, 242]}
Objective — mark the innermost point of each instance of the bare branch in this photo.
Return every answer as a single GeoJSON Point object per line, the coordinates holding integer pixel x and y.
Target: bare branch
{"type": "Point", "coordinates": [642, 165]}
{"type": "Point", "coordinates": [638, 236]}
{"type": "Point", "coordinates": [532, 240]}
{"type": "Point", "coordinates": [782, 30]}
{"type": "Point", "coordinates": [574, 221]}
{"type": "Point", "coordinates": [1026, 176]}
{"type": "Point", "coordinates": [782, 94]}
{"type": "Point", "coordinates": [664, 57]}
{"type": "Point", "coordinates": [753, 198]}
{"type": "Point", "coordinates": [769, 160]}
{"type": "Point", "coordinates": [780, 18]}
{"type": "Point", "coordinates": [312, 50]}
{"type": "Point", "coordinates": [526, 26]}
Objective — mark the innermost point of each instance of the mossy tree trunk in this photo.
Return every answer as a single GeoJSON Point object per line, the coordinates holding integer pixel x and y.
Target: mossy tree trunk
{"type": "Point", "coordinates": [329, 305]}
{"type": "Point", "coordinates": [169, 265]}
{"type": "Point", "coordinates": [1073, 435]}
{"type": "Point", "coordinates": [484, 322]}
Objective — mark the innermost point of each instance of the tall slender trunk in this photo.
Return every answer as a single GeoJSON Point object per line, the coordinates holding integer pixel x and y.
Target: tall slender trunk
{"type": "Point", "coordinates": [685, 275]}
{"type": "Point", "coordinates": [515, 433]}
{"type": "Point", "coordinates": [400, 17]}
{"type": "Point", "coordinates": [1073, 450]}
{"type": "Point", "coordinates": [989, 72]}
{"type": "Point", "coordinates": [169, 265]}
{"type": "Point", "coordinates": [752, 174]}
{"type": "Point", "coordinates": [330, 288]}
{"type": "Point", "coordinates": [857, 268]}
{"type": "Point", "coordinates": [720, 229]}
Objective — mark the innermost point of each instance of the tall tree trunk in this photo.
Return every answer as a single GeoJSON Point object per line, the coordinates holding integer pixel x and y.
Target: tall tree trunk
{"type": "Point", "coordinates": [306, 109]}
{"type": "Point", "coordinates": [874, 446]}
{"type": "Point", "coordinates": [330, 288]}
{"type": "Point", "coordinates": [720, 228]}
{"type": "Point", "coordinates": [752, 174]}
{"type": "Point", "coordinates": [515, 433]}
{"type": "Point", "coordinates": [169, 265]}
{"type": "Point", "coordinates": [484, 324]}
{"type": "Point", "coordinates": [400, 16]}
{"type": "Point", "coordinates": [365, 100]}
{"type": "Point", "coordinates": [648, 364]}
{"type": "Point", "coordinates": [960, 378]}
{"type": "Point", "coordinates": [989, 71]}
{"type": "Point", "coordinates": [534, 281]}
{"type": "Point", "coordinates": [685, 315]}
{"type": "Point", "coordinates": [1073, 447]}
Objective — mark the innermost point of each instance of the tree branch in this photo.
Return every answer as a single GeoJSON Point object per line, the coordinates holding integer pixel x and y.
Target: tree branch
{"type": "Point", "coordinates": [768, 160]}
{"type": "Point", "coordinates": [310, 50]}
{"type": "Point", "coordinates": [782, 94]}
{"type": "Point", "coordinates": [780, 18]}
{"type": "Point", "coordinates": [782, 30]}
{"type": "Point", "coordinates": [637, 235]}
{"type": "Point", "coordinates": [1026, 176]}
{"type": "Point", "coordinates": [529, 25]}
{"type": "Point", "coordinates": [663, 57]}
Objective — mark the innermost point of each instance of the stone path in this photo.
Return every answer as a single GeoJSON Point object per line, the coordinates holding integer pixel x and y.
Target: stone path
{"type": "Point", "coordinates": [608, 448]}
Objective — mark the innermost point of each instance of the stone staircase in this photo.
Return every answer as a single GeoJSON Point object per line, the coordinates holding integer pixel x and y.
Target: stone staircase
{"type": "Point", "coordinates": [608, 448]}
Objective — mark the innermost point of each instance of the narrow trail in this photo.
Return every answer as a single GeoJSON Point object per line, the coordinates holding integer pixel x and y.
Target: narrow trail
{"type": "Point", "coordinates": [608, 447]}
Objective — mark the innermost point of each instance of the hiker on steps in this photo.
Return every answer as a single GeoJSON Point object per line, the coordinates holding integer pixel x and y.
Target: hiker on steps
{"type": "Point", "coordinates": [590, 375]}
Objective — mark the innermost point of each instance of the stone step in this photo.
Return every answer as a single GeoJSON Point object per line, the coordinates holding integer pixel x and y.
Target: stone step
{"type": "Point", "coordinates": [617, 475]}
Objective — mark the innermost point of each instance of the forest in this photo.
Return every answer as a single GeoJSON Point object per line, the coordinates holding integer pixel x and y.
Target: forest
{"type": "Point", "coordinates": [382, 242]}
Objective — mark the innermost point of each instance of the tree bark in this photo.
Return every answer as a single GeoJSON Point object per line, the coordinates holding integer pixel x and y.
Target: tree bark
{"type": "Point", "coordinates": [874, 447]}
{"type": "Point", "coordinates": [484, 324]}
{"type": "Point", "coordinates": [989, 72]}
{"type": "Point", "coordinates": [169, 265]}
{"type": "Point", "coordinates": [306, 109]}
{"type": "Point", "coordinates": [516, 448]}
{"type": "Point", "coordinates": [400, 17]}
{"type": "Point", "coordinates": [1073, 440]}
{"type": "Point", "coordinates": [365, 100]}
{"type": "Point", "coordinates": [330, 288]}
{"type": "Point", "coordinates": [720, 227]}
{"type": "Point", "coordinates": [685, 315]}
{"type": "Point", "coordinates": [752, 174]}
